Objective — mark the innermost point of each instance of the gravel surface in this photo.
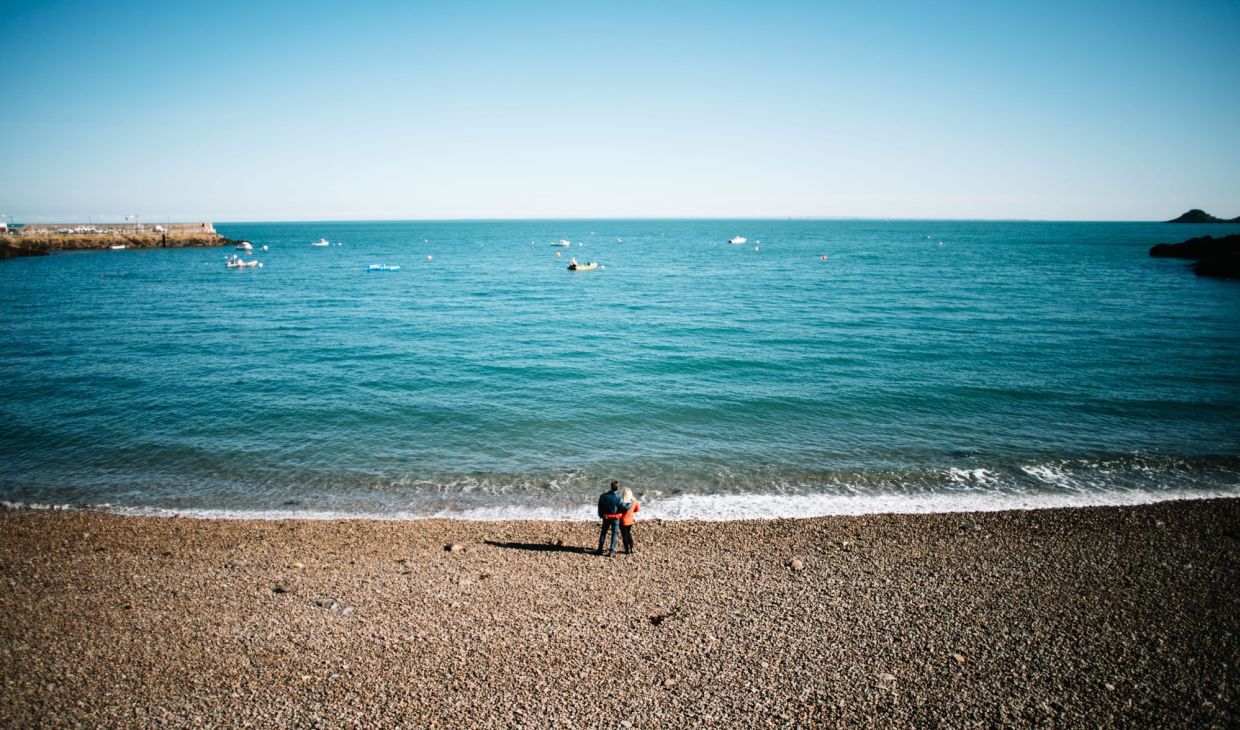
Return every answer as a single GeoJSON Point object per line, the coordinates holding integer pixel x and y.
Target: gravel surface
{"type": "Point", "coordinates": [1073, 617]}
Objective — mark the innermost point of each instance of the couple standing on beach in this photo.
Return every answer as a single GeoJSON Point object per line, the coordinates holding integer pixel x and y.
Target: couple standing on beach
{"type": "Point", "coordinates": [617, 513]}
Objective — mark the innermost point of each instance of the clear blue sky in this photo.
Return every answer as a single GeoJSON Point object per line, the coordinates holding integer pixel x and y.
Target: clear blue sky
{"type": "Point", "coordinates": [359, 110]}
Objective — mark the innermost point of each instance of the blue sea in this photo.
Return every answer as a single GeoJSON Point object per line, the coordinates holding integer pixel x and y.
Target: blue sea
{"type": "Point", "coordinates": [822, 367]}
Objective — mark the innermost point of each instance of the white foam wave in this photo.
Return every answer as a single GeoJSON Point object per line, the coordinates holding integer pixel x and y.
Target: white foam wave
{"type": "Point", "coordinates": [979, 477]}
{"type": "Point", "coordinates": [736, 507]}
{"type": "Point", "coordinates": [1050, 474]}
{"type": "Point", "coordinates": [719, 508]}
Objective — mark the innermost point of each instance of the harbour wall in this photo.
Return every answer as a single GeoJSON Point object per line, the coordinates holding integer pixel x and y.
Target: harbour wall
{"type": "Point", "coordinates": [39, 240]}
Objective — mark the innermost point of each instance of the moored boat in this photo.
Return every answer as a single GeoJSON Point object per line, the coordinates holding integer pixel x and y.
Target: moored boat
{"type": "Point", "coordinates": [236, 262]}
{"type": "Point", "coordinates": [321, 242]}
{"type": "Point", "coordinates": [737, 239]}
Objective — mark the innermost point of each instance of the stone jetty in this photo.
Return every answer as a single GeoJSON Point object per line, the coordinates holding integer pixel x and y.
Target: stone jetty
{"type": "Point", "coordinates": [40, 240]}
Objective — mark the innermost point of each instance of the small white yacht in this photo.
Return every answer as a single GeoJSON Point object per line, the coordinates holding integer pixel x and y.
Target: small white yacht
{"type": "Point", "coordinates": [737, 239]}
{"type": "Point", "coordinates": [321, 242]}
{"type": "Point", "coordinates": [562, 243]}
{"type": "Point", "coordinates": [245, 246]}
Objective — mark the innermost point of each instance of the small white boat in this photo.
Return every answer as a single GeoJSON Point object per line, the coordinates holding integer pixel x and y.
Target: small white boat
{"type": "Point", "coordinates": [562, 243]}
{"type": "Point", "coordinates": [118, 247]}
{"type": "Point", "coordinates": [583, 267]}
{"type": "Point", "coordinates": [236, 262]}
{"type": "Point", "coordinates": [383, 267]}
{"type": "Point", "coordinates": [321, 242]}
{"type": "Point", "coordinates": [244, 246]}
{"type": "Point", "coordinates": [264, 248]}
{"type": "Point", "coordinates": [737, 239]}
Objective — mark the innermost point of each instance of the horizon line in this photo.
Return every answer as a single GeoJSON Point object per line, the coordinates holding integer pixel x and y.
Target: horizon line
{"type": "Point", "coordinates": [502, 219]}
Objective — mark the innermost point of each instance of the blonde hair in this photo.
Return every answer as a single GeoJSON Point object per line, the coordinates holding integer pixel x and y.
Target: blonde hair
{"type": "Point", "coordinates": [627, 497]}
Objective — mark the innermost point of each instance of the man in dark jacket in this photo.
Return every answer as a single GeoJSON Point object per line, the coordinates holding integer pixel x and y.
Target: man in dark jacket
{"type": "Point", "coordinates": [610, 509]}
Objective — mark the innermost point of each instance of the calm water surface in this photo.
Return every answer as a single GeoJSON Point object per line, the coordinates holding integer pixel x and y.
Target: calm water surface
{"type": "Point", "coordinates": [922, 365]}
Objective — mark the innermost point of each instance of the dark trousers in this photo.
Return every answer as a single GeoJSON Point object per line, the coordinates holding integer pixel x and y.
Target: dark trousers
{"type": "Point", "coordinates": [614, 526]}
{"type": "Point", "coordinates": [626, 534]}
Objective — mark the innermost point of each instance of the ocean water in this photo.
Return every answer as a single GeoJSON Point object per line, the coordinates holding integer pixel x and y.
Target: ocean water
{"type": "Point", "coordinates": [923, 365]}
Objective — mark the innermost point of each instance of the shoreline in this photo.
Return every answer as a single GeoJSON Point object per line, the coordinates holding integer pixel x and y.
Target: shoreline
{"type": "Point", "coordinates": [1090, 616]}
{"type": "Point", "coordinates": [719, 508]}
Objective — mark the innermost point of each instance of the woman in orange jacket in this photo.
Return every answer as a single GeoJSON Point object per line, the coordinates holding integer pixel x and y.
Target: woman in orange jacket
{"type": "Point", "coordinates": [631, 508]}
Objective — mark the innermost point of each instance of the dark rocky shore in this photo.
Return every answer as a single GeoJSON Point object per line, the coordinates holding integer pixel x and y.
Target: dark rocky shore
{"type": "Point", "coordinates": [13, 249]}
{"type": "Point", "coordinates": [1216, 256]}
{"type": "Point", "coordinates": [1093, 617]}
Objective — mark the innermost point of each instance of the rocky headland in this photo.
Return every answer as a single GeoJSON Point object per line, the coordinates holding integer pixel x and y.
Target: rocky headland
{"type": "Point", "coordinates": [1197, 215]}
{"type": "Point", "coordinates": [1215, 256]}
{"type": "Point", "coordinates": [1094, 617]}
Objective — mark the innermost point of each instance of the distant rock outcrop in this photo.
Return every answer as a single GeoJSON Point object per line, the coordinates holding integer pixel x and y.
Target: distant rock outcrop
{"type": "Point", "coordinates": [1200, 216]}
{"type": "Point", "coordinates": [1216, 256]}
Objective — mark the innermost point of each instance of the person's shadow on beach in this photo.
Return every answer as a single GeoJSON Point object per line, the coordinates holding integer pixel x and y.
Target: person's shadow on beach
{"type": "Point", "coordinates": [539, 547]}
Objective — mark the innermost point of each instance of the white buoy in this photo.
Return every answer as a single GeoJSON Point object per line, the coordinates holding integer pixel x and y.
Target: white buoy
{"type": "Point", "coordinates": [428, 257]}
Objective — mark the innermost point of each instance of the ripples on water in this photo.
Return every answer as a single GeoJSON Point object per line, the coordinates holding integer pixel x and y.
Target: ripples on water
{"type": "Point", "coordinates": [1016, 362]}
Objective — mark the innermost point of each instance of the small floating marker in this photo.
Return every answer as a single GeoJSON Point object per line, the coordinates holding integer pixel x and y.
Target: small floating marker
{"type": "Point", "coordinates": [429, 257]}
{"type": "Point", "coordinates": [557, 254]}
{"type": "Point", "coordinates": [824, 258]}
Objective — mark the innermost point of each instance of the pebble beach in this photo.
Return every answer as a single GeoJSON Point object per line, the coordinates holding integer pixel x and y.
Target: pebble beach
{"type": "Point", "coordinates": [1080, 617]}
